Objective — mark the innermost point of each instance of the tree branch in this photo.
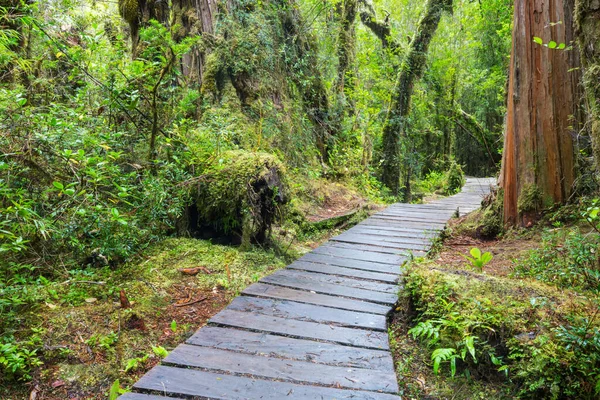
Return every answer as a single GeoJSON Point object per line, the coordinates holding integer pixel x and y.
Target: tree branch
{"type": "Point", "coordinates": [380, 29]}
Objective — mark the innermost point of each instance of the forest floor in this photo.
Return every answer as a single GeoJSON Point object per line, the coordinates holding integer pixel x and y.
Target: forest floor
{"type": "Point", "coordinates": [524, 305]}
{"type": "Point", "coordinates": [89, 340]}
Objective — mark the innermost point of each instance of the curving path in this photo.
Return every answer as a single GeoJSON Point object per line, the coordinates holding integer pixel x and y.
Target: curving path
{"type": "Point", "coordinates": [317, 328]}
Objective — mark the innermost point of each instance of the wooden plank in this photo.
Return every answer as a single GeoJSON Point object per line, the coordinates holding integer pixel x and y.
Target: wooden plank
{"type": "Point", "coordinates": [339, 280]}
{"type": "Point", "coordinates": [432, 216]}
{"type": "Point", "coordinates": [360, 255]}
{"type": "Point", "coordinates": [389, 234]}
{"type": "Point", "coordinates": [308, 312]}
{"type": "Point", "coordinates": [302, 296]}
{"type": "Point", "coordinates": [350, 263]}
{"type": "Point", "coordinates": [392, 243]}
{"type": "Point", "coordinates": [209, 385]}
{"type": "Point", "coordinates": [372, 248]}
{"type": "Point", "coordinates": [403, 224]}
{"type": "Point", "coordinates": [142, 396]}
{"type": "Point", "coordinates": [290, 348]}
{"type": "Point", "coordinates": [399, 228]}
{"type": "Point", "coordinates": [286, 370]}
{"type": "Point", "coordinates": [341, 271]}
{"type": "Point", "coordinates": [403, 220]}
{"type": "Point", "coordinates": [368, 248]}
{"type": "Point", "coordinates": [302, 329]}
{"type": "Point", "coordinates": [331, 289]}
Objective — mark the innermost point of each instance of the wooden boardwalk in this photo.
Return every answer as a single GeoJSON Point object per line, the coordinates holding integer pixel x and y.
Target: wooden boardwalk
{"type": "Point", "coordinates": [316, 329]}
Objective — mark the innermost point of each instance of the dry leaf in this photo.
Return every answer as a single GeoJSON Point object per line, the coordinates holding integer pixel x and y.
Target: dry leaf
{"type": "Point", "coordinates": [124, 300]}
{"type": "Point", "coordinates": [91, 300]}
{"type": "Point", "coordinates": [194, 271]}
{"type": "Point", "coordinates": [51, 306]}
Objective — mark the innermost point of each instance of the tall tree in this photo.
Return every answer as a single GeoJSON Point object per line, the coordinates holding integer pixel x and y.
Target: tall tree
{"type": "Point", "coordinates": [411, 70]}
{"type": "Point", "coordinates": [538, 160]}
{"type": "Point", "coordinates": [587, 25]}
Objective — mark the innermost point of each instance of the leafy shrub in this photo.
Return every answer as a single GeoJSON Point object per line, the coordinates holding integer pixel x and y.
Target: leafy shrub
{"type": "Point", "coordinates": [567, 258]}
{"type": "Point", "coordinates": [545, 340]}
{"type": "Point", "coordinates": [455, 179]}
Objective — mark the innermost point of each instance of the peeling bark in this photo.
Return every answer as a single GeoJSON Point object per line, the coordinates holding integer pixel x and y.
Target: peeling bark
{"type": "Point", "coordinates": [411, 70]}
{"type": "Point", "coordinates": [542, 111]}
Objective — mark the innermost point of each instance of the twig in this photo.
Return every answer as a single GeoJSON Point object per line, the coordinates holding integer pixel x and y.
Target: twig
{"type": "Point", "coordinates": [190, 302]}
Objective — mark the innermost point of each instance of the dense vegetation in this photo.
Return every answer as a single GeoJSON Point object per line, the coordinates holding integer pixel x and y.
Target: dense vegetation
{"type": "Point", "coordinates": [129, 129]}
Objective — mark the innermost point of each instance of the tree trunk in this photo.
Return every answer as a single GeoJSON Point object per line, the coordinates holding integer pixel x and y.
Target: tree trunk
{"type": "Point", "coordinates": [410, 72]}
{"type": "Point", "coordinates": [538, 160]}
{"type": "Point", "coordinates": [587, 25]}
{"type": "Point", "coordinates": [346, 45]}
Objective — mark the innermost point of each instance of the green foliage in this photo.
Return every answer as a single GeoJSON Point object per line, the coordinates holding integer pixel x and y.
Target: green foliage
{"type": "Point", "coordinates": [543, 339]}
{"type": "Point", "coordinates": [455, 179]}
{"type": "Point", "coordinates": [530, 199]}
{"type": "Point", "coordinates": [17, 359]}
{"type": "Point", "coordinates": [478, 260]}
{"type": "Point", "coordinates": [566, 258]}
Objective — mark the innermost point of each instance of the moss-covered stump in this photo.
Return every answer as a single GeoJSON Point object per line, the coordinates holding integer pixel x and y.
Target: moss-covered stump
{"type": "Point", "coordinates": [238, 198]}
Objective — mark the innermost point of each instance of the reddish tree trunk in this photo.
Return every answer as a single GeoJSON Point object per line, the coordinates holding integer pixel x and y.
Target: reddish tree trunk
{"type": "Point", "coordinates": [538, 160]}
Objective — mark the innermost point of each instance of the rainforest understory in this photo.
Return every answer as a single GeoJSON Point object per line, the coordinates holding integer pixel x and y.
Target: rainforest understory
{"type": "Point", "coordinates": [158, 157]}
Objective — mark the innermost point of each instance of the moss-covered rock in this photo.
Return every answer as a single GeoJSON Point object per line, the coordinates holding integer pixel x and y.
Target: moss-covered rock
{"type": "Point", "coordinates": [239, 196]}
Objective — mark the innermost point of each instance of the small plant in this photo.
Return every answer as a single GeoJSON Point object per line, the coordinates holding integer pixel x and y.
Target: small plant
{"type": "Point", "coordinates": [479, 260]}
{"type": "Point", "coordinates": [115, 390]}
{"type": "Point", "coordinates": [160, 351]}
{"type": "Point", "coordinates": [174, 326]}
{"type": "Point", "coordinates": [134, 363]}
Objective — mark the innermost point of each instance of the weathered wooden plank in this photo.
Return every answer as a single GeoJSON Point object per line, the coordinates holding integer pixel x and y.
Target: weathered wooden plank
{"type": "Point", "coordinates": [392, 243]}
{"type": "Point", "coordinates": [399, 228]}
{"type": "Point", "coordinates": [308, 312]}
{"type": "Point", "coordinates": [402, 216]}
{"type": "Point", "coordinates": [339, 280]}
{"type": "Point", "coordinates": [286, 370]}
{"type": "Point", "coordinates": [290, 348]}
{"type": "Point", "coordinates": [372, 248]}
{"type": "Point", "coordinates": [142, 396]}
{"type": "Point", "coordinates": [302, 329]}
{"type": "Point", "coordinates": [392, 233]}
{"type": "Point", "coordinates": [331, 289]}
{"type": "Point", "coordinates": [351, 263]}
{"type": "Point", "coordinates": [208, 385]}
{"type": "Point", "coordinates": [302, 296]}
{"type": "Point", "coordinates": [341, 271]}
{"type": "Point", "coordinates": [360, 255]}
{"type": "Point", "coordinates": [403, 224]}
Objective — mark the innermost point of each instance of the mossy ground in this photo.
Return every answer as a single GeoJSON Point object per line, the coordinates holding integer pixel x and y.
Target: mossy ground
{"type": "Point", "coordinates": [518, 319]}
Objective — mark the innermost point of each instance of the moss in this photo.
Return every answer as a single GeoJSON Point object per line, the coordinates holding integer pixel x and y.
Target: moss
{"type": "Point", "coordinates": [128, 9]}
{"type": "Point", "coordinates": [530, 199]}
{"type": "Point", "coordinates": [492, 219]}
{"type": "Point", "coordinates": [240, 192]}
{"type": "Point", "coordinates": [519, 322]}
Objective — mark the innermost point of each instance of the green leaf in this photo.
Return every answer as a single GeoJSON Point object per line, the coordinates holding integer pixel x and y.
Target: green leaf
{"type": "Point", "coordinates": [475, 252]}
{"type": "Point", "coordinates": [58, 185]}
{"type": "Point", "coordinates": [561, 46]}
{"type": "Point", "coordinates": [486, 257]}
{"type": "Point", "coordinates": [160, 351]}
{"type": "Point", "coordinates": [114, 390]}
{"type": "Point", "coordinates": [470, 344]}
{"type": "Point", "coordinates": [174, 326]}
{"type": "Point", "coordinates": [538, 40]}
{"type": "Point", "coordinates": [552, 44]}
